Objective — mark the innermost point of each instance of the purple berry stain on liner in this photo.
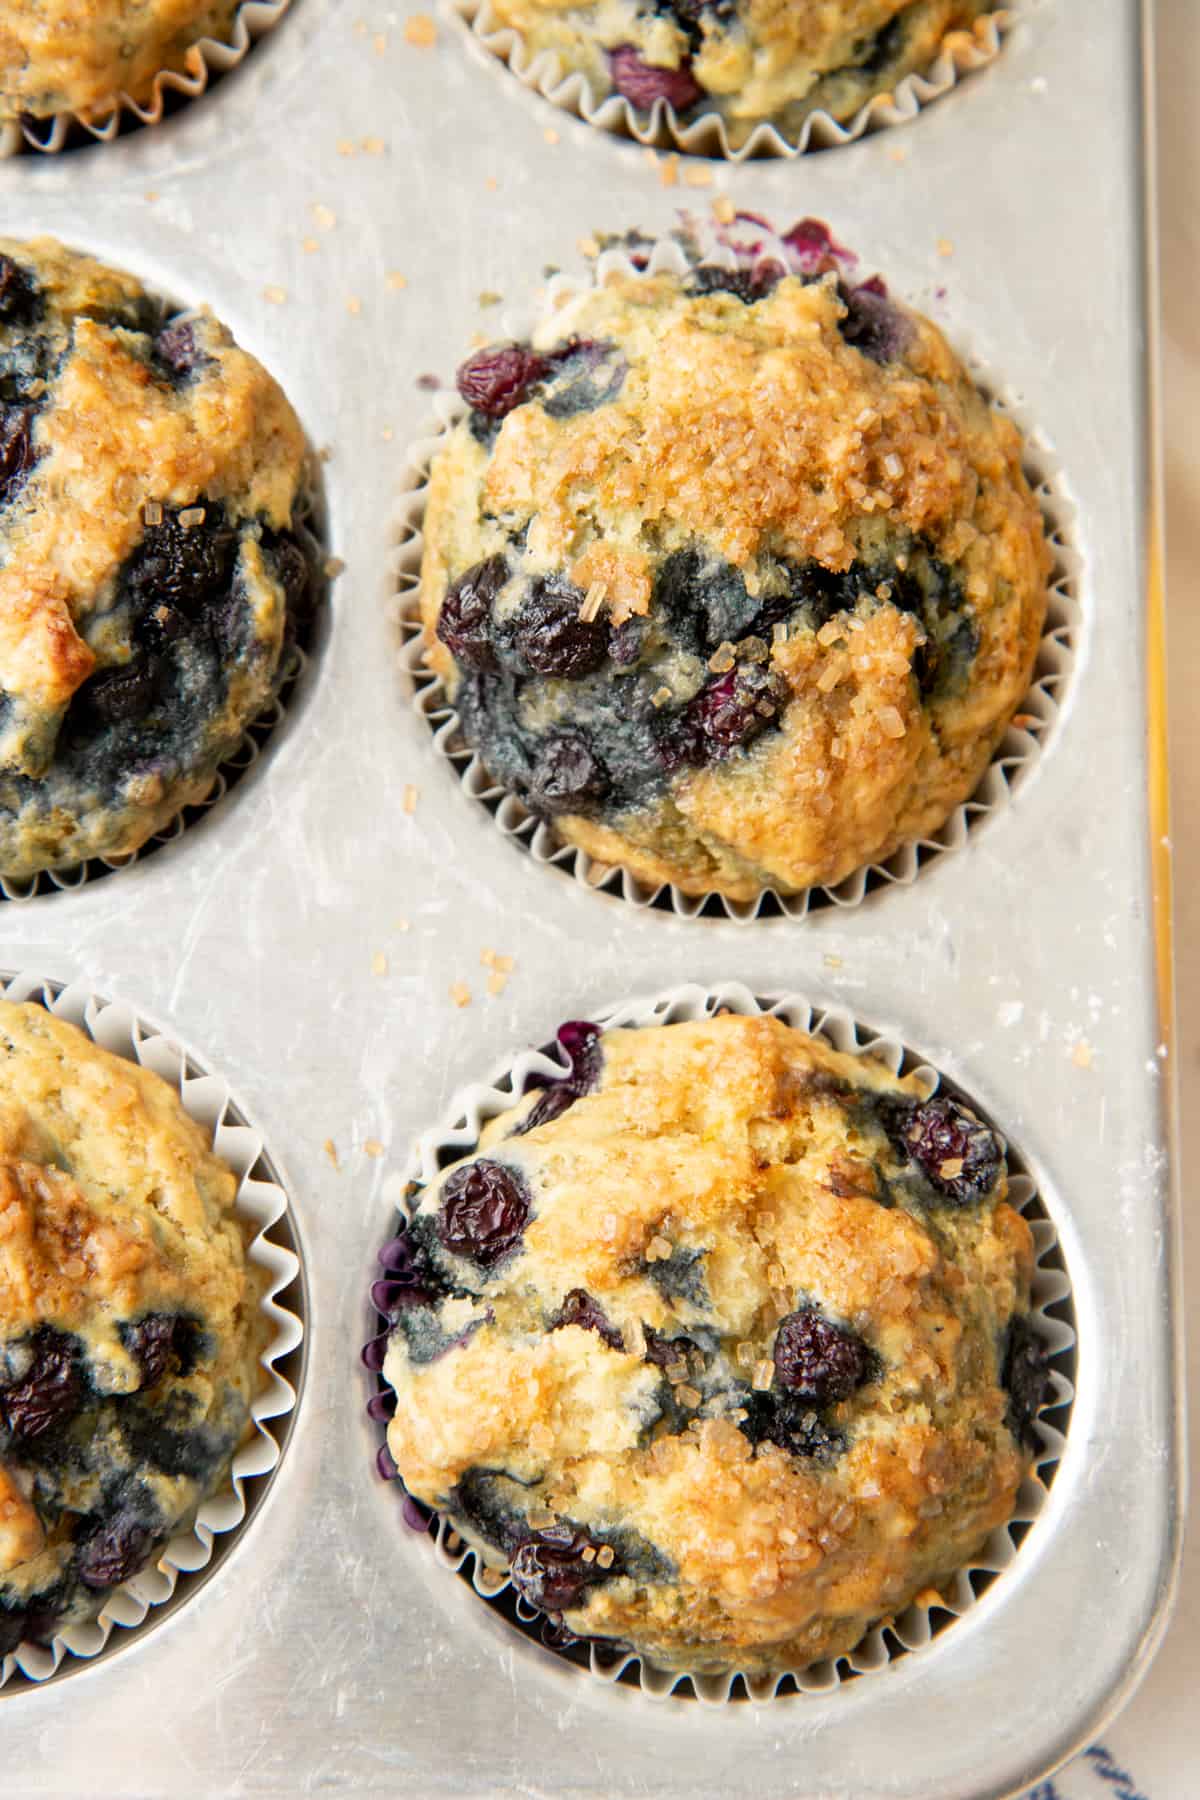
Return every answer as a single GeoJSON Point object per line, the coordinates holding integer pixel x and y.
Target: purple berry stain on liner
{"type": "Point", "coordinates": [815, 247]}
{"type": "Point", "coordinates": [579, 1039]}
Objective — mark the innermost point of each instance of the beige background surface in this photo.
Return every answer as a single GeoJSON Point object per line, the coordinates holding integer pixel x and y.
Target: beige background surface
{"type": "Point", "coordinates": [1160, 1732]}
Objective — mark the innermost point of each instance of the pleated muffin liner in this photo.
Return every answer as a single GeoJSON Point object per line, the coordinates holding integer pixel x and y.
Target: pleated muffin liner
{"type": "Point", "coordinates": [206, 58]}
{"type": "Point", "coordinates": [708, 134]}
{"type": "Point", "coordinates": [262, 1205]}
{"type": "Point", "coordinates": [1011, 761]}
{"type": "Point", "coordinates": [924, 1621]}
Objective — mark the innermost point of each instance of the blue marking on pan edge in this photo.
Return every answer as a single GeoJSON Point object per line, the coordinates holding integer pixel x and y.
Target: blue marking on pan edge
{"type": "Point", "coordinates": [1105, 1769]}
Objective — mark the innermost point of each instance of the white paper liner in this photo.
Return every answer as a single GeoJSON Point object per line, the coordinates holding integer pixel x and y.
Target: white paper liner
{"type": "Point", "coordinates": [1012, 760]}
{"type": "Point", "coordinates": [263, 1203]}
{"type": "Point", "coordinates": [211, 57]}
{"type": "Point", "coordinates": [541, 73]}
{"type": "Point", "coordinates": [1051, 1313]}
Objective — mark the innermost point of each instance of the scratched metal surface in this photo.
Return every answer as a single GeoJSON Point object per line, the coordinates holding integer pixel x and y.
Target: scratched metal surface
{"type": "Point", "coordinates": [326, 1654]}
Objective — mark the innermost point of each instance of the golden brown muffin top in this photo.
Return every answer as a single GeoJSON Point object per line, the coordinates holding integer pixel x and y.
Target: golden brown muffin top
{"type": "Point", "coordinates": [111, 435]}
{"type": "Point", "coordinates": [638, 1363]}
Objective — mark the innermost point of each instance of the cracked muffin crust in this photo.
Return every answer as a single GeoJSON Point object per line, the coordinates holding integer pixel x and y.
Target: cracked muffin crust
{"type": "Point", "coordinates": [720, 1344]}
{"type": "Point", "coordinates": [130, 1327]}
{"type": "Point", "coordinates": [82, 56]}
{"type": "Point", "coordinates": [735, 575]}
{"type": "Point", "coordinates": [151, 559]}
{"type": "Point", "coordinates": [749, 60]}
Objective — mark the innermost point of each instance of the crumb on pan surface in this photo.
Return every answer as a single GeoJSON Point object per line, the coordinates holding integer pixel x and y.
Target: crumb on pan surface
{"type": "Point", "coordinates": [82, 56]}
{"type": "Point", "coordinates": [720, 1345]}
{"type": "Point", "coordinates": [749, 60]}
{"type": "Point", "coordinates": [734, 575]}
{"type": "Point", "coordinates": [152, 562]}
{"type": "Point", "coordinates": [130, 1329]}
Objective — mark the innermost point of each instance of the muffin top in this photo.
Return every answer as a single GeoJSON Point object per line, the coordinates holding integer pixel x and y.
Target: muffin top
{"type": "Point", "coordinates": [150, 474]}
{"type": "Point", "coordinates": [129, 1323]}
{"type": "Point", "coordinates": [750, 60]}
{"type": "Point", "coordinates": [83, 56]}
{"type": "Point", "coordinates": [709, 1343]}
{"type": "Point", "coordinates": [734, 573]}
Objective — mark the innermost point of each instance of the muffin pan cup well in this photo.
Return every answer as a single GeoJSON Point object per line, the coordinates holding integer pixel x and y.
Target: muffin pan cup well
{"type": "Point", "coordinates": [707, 133]}
{"type": "Point", "coordinates": [1011, 763]}
{"type": "Point", "coordinates": [208, 58]}
{"type": "Point", "coordinates": [920, 1624]}
{"type": "Point", "coordinates": [166, 1584]}
{"type": "Point", "coordinates": [323, 938]}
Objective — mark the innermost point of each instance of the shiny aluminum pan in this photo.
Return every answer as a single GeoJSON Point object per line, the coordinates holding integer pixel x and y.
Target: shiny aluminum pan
{"type": "Point", "coordinates": [308, 933]}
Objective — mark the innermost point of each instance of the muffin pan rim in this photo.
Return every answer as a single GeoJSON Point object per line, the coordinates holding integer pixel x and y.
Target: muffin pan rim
{"type": "Point", "coordinates": [284, 998]}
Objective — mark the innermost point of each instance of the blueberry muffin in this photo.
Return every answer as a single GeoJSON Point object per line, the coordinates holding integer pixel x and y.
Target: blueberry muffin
{"type": "Point", "coordinates": [130, 1324]}
{"type": "Point", "coordinates": [83, 56]}
{"type": "Point", "coordinates": [735, 575]}
{"type": "Point", "coordinates": [152, 561]}
{"type": "Point", "coordinates": [749, 60]}
{"type": "Point", "coordinates": [720, 1344]}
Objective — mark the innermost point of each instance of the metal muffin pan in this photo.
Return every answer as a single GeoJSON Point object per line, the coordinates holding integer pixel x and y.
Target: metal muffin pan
{"type": "Point", "coordinates": [308, 931]}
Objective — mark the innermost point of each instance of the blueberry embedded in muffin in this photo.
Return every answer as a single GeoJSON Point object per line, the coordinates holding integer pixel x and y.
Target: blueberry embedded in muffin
{"type": "Point", "coordinates": [734, 573]}
{"type": "Point", "coordinates": [83, 56]}
{"type": "Point", "coordinates": [729, 1355]}
{"type": "Point", "coordinates": [130, 1329]}
{"type": "Point", "coordinates": [153, 559]}
{"type": "Point", "coordinates": [748, 60]}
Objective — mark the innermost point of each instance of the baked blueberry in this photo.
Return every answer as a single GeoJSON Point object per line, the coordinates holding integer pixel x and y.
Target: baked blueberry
{"type": "Point", "coordinates": [49, 1392]}
{"type": "Point", "coordinates": [554, 1568]}
{"type": "Point", "coordinates": [644, 83]}
{"type": "Point", "coordinates": [748, 60]}
{"type": "Point", "coordinates": [723, 1405]}
{"type": "Point", "coordinates": [495, 380]}
{"type": "Point", "coordinates": [485, 1208]}
{"type": "Point", "coordinates": [130, 1327]}
{"type": "Point", "coordinates": [152, 563]}
{"type": "Point", "coordinates": [465, 622]}
{"type": "Point", "coordinates": [760, 611]}
{"type": "Point", "coordinates": [578, 1308]}
{"type": "Point", "coordinates": [1025, 1378]}
{"type": "Point", "coordinates": [818, 1361]}
{"type": "Point", "coordinates": [957, 1154]}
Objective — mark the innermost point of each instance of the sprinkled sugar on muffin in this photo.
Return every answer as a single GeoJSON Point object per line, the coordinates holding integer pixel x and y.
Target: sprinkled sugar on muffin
{"type": "Point", "coordinates": [130, 1328]}
{"type": "Point", "coordinates": [720, 1344]}
{"type": "Point", "coordinates": [152, 566]}
{"type": "Point", "coordinates": [750, 60]}
{"type": "Point", "coordinates": [734, 574]}
{"type": "Point", "coordinates": [80, 56]}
